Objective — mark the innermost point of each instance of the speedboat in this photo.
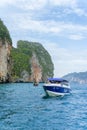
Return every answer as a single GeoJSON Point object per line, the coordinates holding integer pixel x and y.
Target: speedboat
{"type": "Point", "coordinates": [57, 87]}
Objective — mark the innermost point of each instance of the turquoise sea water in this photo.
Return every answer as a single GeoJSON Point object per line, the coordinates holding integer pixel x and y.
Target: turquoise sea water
{"type": "Point", "coordinates": [23, 107]}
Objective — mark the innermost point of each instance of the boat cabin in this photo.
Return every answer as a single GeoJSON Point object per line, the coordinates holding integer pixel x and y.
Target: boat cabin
{"type": "Point", "coordinates": [58, 81]}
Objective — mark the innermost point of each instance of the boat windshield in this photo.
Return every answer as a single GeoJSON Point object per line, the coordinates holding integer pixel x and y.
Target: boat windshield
{"type": "Point", "coordinates": [58, 81]}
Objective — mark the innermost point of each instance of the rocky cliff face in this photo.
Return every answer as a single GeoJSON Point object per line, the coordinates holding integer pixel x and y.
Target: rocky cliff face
{"type": "Point", "coordinates": [5, 59]}
{"type": "Point", "coordinates": [36, 70]}
{"type": "Point", "coordinates": [31, 62]}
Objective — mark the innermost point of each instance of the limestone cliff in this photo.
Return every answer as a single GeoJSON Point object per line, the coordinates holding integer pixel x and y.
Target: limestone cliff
{"type": "Point", "coordinates": [36, 70]}
{"type": "Point", "coordinates": [31, 62]}
{"type": "Point", "coordinates": [5, 59]}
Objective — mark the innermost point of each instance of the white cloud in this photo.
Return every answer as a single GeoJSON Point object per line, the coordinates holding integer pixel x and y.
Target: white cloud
{"type": "Point", "coordinates": [36, 25]}
{"type": "Point", "coordinates": [65, 3]}
{"type": "Point", "coordinates": [70, 6]}
{"type": "Point", "coordinates": [76, 37]}
{"type": "Point", "coordinates": [6, 2]}
{"type": "Point", "coordinates": [80, 12]}
{"type": "Point", "coordinates": [73, 27]}
{"type": "Point", "coordinates": [36, 4]}
{"type": "Point", "coordinates": [68, 30]}
{"type": "Point", "coordinates": [32, 4]}
{"type": "Point", "coordinates": [24, 23]}
{"type": "Point", "coordinates": [25, 4]}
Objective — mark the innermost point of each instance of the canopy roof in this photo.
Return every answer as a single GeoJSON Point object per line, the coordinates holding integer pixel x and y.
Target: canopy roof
{"type": "Point", "coordinates": [57, 80]}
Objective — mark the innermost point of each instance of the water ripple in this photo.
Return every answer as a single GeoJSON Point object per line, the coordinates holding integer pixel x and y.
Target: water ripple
{"type": "Point", "coordinates": [23, 107]}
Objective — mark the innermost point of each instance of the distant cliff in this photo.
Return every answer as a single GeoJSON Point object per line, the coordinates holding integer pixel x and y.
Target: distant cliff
{"type": "Point", "coordinates": [80, 77]}
{"type": "Point", "coordinates": [5, 59]}
{"type": "Point", "coordinates": [31, 62]}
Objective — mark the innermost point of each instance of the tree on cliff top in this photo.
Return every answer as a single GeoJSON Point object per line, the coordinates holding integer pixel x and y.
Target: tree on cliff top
{"type": "Point", "coordinates": [4, 33]}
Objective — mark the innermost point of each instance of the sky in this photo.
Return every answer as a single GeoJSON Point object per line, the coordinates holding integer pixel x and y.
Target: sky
{"type": "Point", "coordinates": [59, 25]}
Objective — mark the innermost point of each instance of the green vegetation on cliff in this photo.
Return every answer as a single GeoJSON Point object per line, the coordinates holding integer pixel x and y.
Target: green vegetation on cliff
{"type": "Point", "coordinates": [20, 62]}
{"type": "Point", "coordinates": [21, 57]}
{"type": "Point", "coordinates": [4, 33]}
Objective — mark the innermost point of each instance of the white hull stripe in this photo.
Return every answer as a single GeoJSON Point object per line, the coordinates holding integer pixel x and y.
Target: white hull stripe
{"type": "Point", "coordinates": [50, 93]}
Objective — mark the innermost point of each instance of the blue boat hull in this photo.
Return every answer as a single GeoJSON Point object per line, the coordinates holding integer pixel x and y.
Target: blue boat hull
{"type": "Point", "coordinates": [56, 90]}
